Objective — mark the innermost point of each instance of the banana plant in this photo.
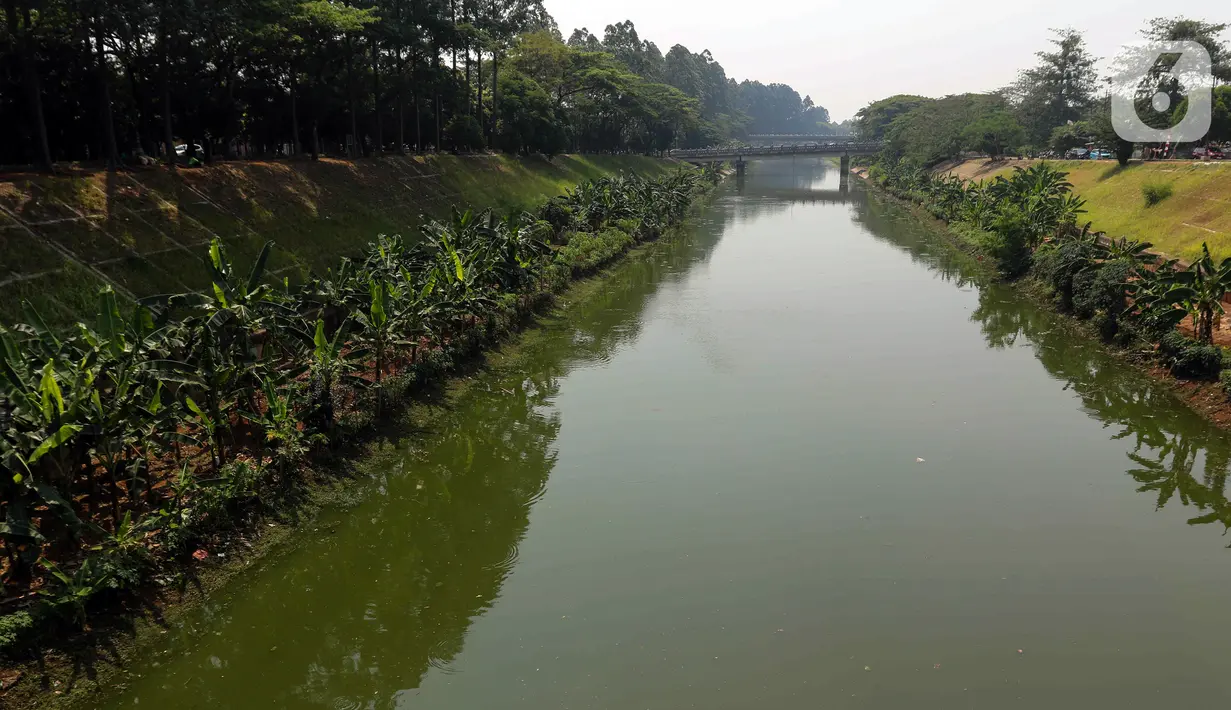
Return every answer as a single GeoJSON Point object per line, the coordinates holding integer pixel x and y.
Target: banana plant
{"type": "Point", "coordinates": [519, 244]}
{"type": "Point", "coordinates": [1199, 290]}
{"type": "Point", "coordinates": [1131, 250]}
{"type": "Point", "coordinates": [73, 592]}
{"type": "Point", "coordinates": [329, 364]}
{"type": "Point", "coordinates": [378, 327]}
{"type": "Point", "coordinates": [284, 442]}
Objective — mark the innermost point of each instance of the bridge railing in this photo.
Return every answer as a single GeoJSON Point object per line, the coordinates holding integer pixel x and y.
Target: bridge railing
{"type": "Point", "coordinates": [792, 149]}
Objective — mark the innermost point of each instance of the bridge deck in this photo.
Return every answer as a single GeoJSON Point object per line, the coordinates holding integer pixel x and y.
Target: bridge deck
{"type": "Point", "coordinates": [760, 151]}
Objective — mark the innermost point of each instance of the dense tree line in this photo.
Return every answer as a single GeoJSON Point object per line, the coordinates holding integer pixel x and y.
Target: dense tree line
{"type": "Point", "coordinates": [1058, 104]}
{"type": "Point", "coordinates": [127, 81]}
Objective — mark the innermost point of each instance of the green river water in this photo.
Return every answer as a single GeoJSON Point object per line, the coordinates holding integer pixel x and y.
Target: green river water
{"type": "Point", "coordinates": [700, 487]}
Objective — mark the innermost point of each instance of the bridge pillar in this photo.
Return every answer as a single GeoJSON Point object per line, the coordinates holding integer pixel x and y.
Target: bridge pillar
{"type": "Point", "coordinates": [846, 163]}
{"type": "Point", "coordinates": [740, 167]}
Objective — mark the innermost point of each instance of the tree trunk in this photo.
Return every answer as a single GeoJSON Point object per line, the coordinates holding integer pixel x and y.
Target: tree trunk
{"type": "Point", "coordinates": [294, 117]}
{"type": "Point", "coordinates": [164, 38]}
{"type": "Point", "coordinates": [401, 84]}
{"type": "Point", "coordinates": [439, 109]}
{"type": "Point", "coordinates": [134, 86]}
{"type": "Point", "coordinates": [29, 79]}
{"type": "Point", "coordinates": [478, 104]}
{"type": "Point", "coordinates": [316, 141]}
{"type": "Point", "coordinates": [453, 19]}
{"type": "Point", "coordinates": [350, 96]}
{"type": "Point", "coordinates": [113, 157]}
{"type": "Point", "coordinates": [227, 151]}
{"type": "Point", "coordinates": [414, 94]}
{"type": "Point", "coordinates": [495, 91]}
{"type": "Point", "coordinates": [377, 135]}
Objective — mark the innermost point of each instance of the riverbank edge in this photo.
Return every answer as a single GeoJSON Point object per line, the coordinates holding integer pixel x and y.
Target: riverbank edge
{"type": "Point", "coordinates": [1207, 399]}
{"type": "Point", "coordinates": [98, 662]}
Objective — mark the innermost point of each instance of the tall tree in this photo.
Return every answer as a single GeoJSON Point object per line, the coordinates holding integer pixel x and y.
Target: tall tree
{"type": "Point", "coordinates": [104, 83]}
{"type": "Point", "coordinates": [872, 121]}
{"type": "Point", "coordinates": [1059, 89]}
{"type": "Point", "coordinates": [1208, 34]}
{"type": "Point", "coordinates": [21, 29]}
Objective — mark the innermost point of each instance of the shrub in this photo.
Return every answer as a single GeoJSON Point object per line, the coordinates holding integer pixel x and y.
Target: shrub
{"type": "Point", "coordinates": [1151, 324]}
{"type": "Point", "coordinates": [1085, 296]}
{"type": "Point", "coordinates": [1009, 241]}
{"type": "Point", "coordinates": [1156, 192]}
{"type": "Point", "coordinates": [1099, 293]}
{"type": "Point", "coordinates": [556, 277]}
{"type": "Point", "coordinates": [1066, 267]}
{"type": "Point", "coordinates": [558, 215]}
{"type": "Point", "coordinates": [587, 251]}
{"type": "Point", "coordinates": [1171, 344]}
{"type": "Point", "coordinates": [1198, 362]}
{"type": "Point", "coordinates": [1224, 378]}
{"type": "Point", "coordinates": [969, 234]}
{"type": "Point", "coordinates": [632, 227]}
{"type": "Point", "coordinates": [15, 628]}
{"type": "Point", "coordinates": [1189, 359]}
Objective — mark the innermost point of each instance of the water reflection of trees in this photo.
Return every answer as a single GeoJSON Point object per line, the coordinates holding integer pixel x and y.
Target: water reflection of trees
{"type": "Point", "coordinates": [456, 517]}
{"type": "Point", "coordinates": [1175, 454]}
{"type": "Point", "coordinates": [899, 228]}
{"type": "Point", "coordinates": [360, 616]}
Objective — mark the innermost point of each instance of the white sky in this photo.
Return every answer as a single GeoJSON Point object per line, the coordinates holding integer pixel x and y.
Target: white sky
{"type": "Point", "coordinates": [847, 53]}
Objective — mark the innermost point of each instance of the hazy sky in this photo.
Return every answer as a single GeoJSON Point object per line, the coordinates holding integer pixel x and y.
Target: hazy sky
{"type": "Point", "coordinates": [850, 52]}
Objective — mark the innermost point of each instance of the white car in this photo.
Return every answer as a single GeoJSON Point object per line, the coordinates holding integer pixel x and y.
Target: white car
{"type": "Point", "coordinates": [182, 149]}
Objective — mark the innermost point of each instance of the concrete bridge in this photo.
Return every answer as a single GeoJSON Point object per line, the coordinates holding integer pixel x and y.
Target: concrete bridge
{"type": "Point", "coordinates": [840, 146]}
{"type": "Point", "coordinates": [772, 138]}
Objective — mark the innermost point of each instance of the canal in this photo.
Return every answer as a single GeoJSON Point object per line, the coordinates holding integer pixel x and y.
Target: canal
{"type": "Point", "coordinates": [800, 457]}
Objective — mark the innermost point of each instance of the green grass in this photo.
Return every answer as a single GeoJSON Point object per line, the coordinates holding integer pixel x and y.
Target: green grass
{"type": "Point", "coordinates": [1156, 192]}
{"type": "Point", "coordinates": [1198, 210]}
{"type": "Point", "coordinates": [314, 212]}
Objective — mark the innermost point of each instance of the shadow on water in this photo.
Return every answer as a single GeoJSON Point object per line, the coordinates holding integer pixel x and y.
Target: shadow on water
{"type": "Point", "coordinates": [1175, 454]}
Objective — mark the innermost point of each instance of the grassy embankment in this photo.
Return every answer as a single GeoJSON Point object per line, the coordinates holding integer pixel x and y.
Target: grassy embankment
{"type": "Point", "coordinates": [1198, 210]}
{"type": "Point", "coordinates": [146, 231]}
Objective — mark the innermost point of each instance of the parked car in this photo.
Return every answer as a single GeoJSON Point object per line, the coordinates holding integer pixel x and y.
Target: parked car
{"type": "Point", "coordinates": [1215, 153]}
{"type": "Point", "coordinates": [1077, 154]}
{"type": "Point", "coordinates": [182, 149]}
{"type": "Point", "coordinates": [1102, 155]}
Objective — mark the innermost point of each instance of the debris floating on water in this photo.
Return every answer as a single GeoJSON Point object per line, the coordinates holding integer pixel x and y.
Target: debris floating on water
{"type": "Point", "coordinates": [919, 460]}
